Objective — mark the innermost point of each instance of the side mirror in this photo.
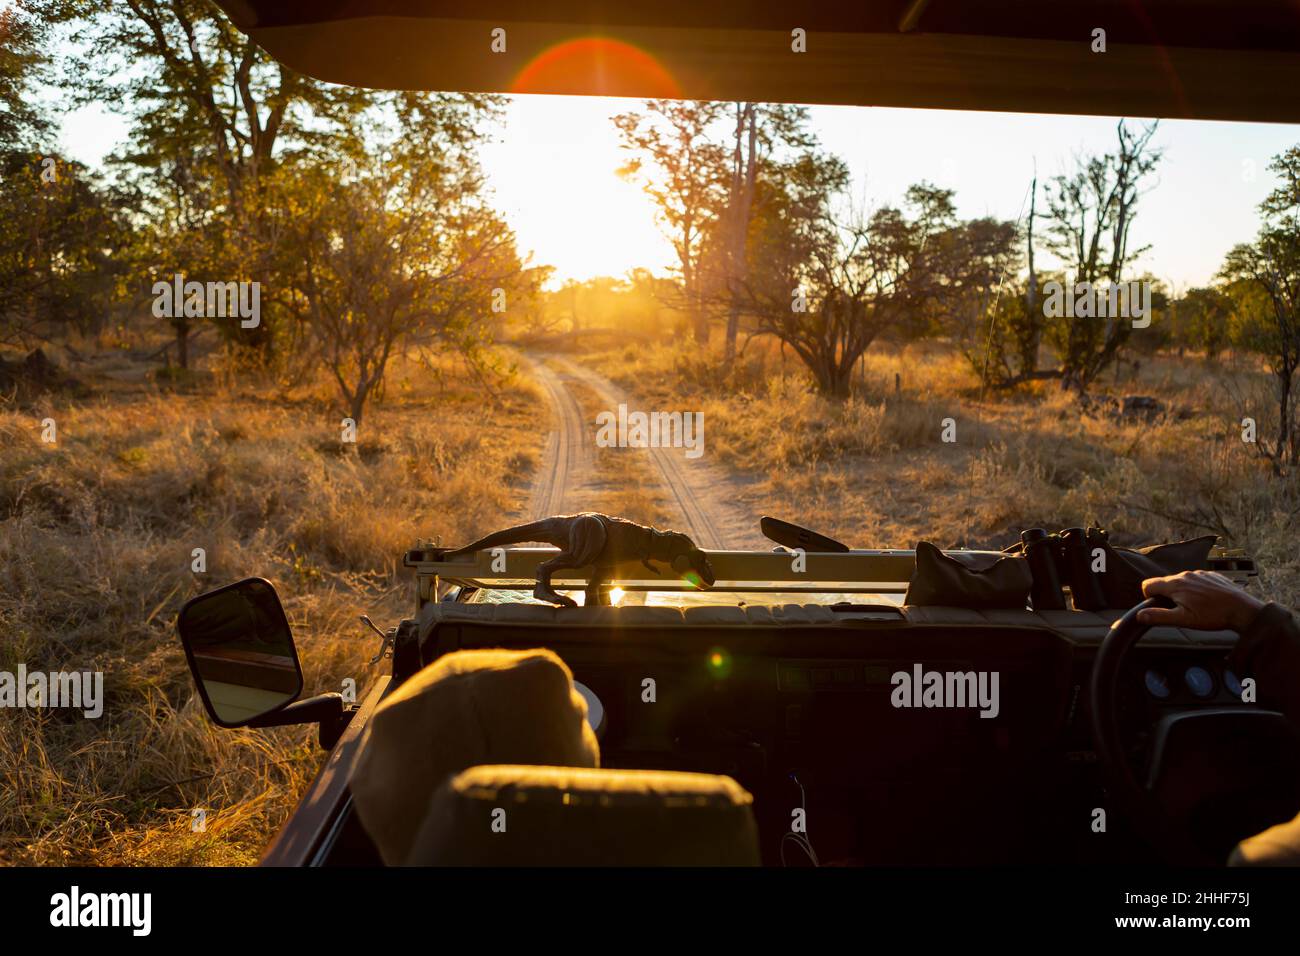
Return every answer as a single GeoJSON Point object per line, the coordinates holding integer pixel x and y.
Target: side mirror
{"type": "Point", "coordinates": [241, 652]}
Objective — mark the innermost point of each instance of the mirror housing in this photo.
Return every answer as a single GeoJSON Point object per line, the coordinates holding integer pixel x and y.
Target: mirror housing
{"type": "Point", "coordinates": [241, 653]}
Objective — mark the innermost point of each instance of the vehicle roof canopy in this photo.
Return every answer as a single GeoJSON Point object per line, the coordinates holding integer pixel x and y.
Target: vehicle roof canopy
{"type": "Point", "coordinates": [1202, 59]}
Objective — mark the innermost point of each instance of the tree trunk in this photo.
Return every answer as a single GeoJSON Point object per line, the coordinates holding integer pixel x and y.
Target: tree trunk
{"type": "Point", "coordinates": [744, 178]}
{"type": "Point", "coordinates": [841, 380]}
{"type": "Point", "coordinates": [1286, 445]}
{"type": "Point", "coordinates": [1034, 326]}
{"type": "Point", "coordinates": [733, 327]}
{"type": "Point", "coordinates": [701, 326]}
{"type": "Point", "coordinates": [358, 404]}
{"type": "Point", "coordinates": [833, 378]}
{"type": "Point", "coordinates": [695, 303]}
{"type": "Point", "coordinates": [183, 345]}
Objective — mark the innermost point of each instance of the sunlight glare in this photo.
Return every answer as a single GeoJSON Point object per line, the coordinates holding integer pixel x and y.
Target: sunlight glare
{"type": "Point", "coordinates": [554, 175]}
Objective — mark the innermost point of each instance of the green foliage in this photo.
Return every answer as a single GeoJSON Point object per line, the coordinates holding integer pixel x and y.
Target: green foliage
{"type": "Point", "coordinates": [682, 168]}
{"type": "Point", "coordinates": [705, 164]}
{"type": "Point", "coordinates": [61, 234]}
{"type": "Point", "coordinates": [23, 34]}
{"type": "Point", "coordinates": [1202, 319]}
{"type": "Point", "coordinates": [360, 214]}
{"type": "Point", "coordinates": [1263, 278]}
{"type": "Point", "coordinates": [828, 286]}
{"type": "Point", "coordinates": [1089, 218]}
{"type": "Point", "coordinates": [403, 252]}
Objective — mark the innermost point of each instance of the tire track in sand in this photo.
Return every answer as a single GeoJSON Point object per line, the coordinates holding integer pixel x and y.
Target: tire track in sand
{"type": "Point", "coordinates": [567, 456]}
{"type": "Point", "coordinates": [704, 496]}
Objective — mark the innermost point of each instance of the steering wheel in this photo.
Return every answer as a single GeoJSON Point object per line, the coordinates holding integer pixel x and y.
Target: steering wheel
{"type": "Point", "coordinates": [1132, 797]}
{"type": "Point", "coordinates": [1148, 806]}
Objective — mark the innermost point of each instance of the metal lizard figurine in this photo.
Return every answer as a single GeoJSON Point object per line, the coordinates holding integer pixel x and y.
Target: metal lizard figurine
{"type": "Point", "coordinates": [601, 541]}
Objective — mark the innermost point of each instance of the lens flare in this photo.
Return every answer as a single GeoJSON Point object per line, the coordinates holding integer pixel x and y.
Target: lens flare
{"type": "Point", "coordinates": [597, 66]}
{"type": "Point", "coordinates": [719, 663]}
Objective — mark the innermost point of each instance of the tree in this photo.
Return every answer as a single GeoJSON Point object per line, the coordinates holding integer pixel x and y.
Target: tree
{"type": "Point", "coordinates": [827, 287]}
{"type": "Point", "coordinates": [62, 235]}
{"type": "Point", "coordinates": [1270, 268]}
{"type": "Point", "coordinates": [23, 35]}
{"type": "Point", "coordinates": [760, 131]}
{"type": "Point", "coordinates": [1003, 335]}
{"type": "Point", "coordinates": [976, 257]}
{"type": "Point", "coordinates": [705, 190]}
{"type": "Point", "coordinates": [682, 170]}
{"type": "Point", "coordinates": [61, 230]}
{"type": "Point", "coordinates": [212, 117]}
{"type": "Point", "coordinates": [1203, 317]}
{"type": "Point", "coordinates": [1090, 214]}
{"type": "Point", "coordinates": [218, 130]}
{"type": "Point", "coordinates": [405, 252]}
{"type": "Point", "coordinates": [1031, 328]}
{"type": "Point", "coordinates": [197, 87]}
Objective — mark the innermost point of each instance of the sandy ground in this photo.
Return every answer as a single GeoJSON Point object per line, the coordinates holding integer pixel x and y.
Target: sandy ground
{"type": "Point", "coordinates": [702, 497]}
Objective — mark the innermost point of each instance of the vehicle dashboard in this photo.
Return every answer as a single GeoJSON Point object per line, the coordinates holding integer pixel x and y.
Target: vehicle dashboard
{"type": "Point", "coordinates": [804, 706]}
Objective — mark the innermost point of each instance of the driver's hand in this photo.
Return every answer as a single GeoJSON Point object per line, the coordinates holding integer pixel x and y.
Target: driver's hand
{"type": "Point", "coordinates": [1207, 601]}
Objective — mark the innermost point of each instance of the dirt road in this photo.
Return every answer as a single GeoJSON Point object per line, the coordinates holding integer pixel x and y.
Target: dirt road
{"type": "Point", "coordinates": [566, 457]}
{"type": "Point", "coordinates": [702, 496]}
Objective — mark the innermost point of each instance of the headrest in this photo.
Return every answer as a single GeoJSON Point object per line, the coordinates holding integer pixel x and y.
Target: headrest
{"type": "Point", "coordinates": [563, 816]}
{"type": "Point", "coordinates": [1276, 846]}
{"type": "Point", "coordinates": [464, 709]}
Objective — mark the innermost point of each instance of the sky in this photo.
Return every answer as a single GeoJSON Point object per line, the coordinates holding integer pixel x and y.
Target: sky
{"type": "Point", "coordinates": [551, 165]}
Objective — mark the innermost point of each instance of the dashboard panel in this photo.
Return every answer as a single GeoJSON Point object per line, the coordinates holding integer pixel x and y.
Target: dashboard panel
{"type": "Point", "coordinates": [818, 720]}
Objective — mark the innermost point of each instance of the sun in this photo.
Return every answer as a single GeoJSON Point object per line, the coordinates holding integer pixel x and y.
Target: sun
{"type": "Point", "coordinates": [553, 170]}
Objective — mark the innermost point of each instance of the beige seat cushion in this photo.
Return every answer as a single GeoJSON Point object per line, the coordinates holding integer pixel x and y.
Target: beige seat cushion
{"type": "Point", "coordinates": [564, 816]}
{"type": "Point", "coordinates": [464, 709]}
{"type": "Point", "coordinates": [1276, 846]}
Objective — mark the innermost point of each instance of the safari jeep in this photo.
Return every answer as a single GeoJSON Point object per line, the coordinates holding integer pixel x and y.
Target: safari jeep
{"type": "Point", "coordinates": [815, 704]}
{"type": "Point", "coordinates": [830, 721]}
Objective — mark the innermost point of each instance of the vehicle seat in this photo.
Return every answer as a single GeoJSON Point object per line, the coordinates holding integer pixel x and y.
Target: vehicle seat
{"type": "Point", "coordinates": [564, 816]}
{"type": "Point", "coordinates": [466, 708]}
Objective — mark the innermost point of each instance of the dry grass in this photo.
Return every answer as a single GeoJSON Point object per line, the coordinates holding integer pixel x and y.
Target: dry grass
{"type": "Point", "coordinates": [874, 471]}
{"type": "Point", "coordinates": [96, 536]}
